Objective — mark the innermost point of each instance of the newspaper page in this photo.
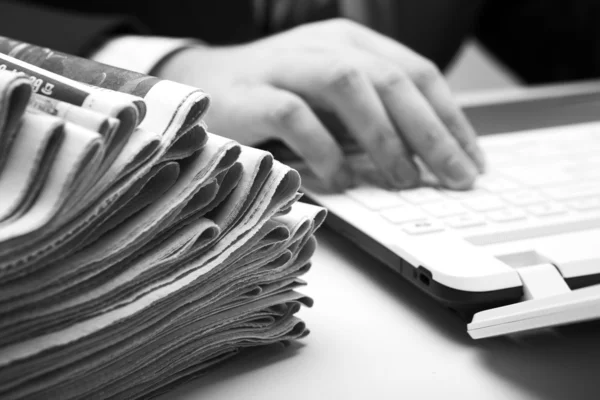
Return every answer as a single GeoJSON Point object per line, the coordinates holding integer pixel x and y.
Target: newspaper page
{"type": "Point", "coordinates": [125, 269]}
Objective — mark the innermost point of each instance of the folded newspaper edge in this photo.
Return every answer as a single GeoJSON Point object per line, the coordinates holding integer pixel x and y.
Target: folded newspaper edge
{"type": "Point", "coordinates": [136, 248]}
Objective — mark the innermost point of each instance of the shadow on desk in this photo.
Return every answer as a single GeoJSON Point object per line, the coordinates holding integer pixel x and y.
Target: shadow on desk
{"type": "Point", "coordinates": [562, 363]}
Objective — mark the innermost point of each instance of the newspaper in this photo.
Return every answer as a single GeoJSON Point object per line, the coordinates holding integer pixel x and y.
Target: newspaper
{"type": "Point", "coordinates": [14, 95]}
{"type": "Point", "coordinates": [136, 248]}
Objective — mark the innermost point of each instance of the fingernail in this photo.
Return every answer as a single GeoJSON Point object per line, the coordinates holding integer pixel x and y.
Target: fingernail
{"type": "Point", "coordinates": [460, 173]}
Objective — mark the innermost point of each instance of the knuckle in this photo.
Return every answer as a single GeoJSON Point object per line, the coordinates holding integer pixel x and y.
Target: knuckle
{"type": "Point", "coordinates": [446, 159]}
{"type": "Point", "coordinates": [380, 142]}
{"type": "Point", "coordinates": [285, 112]}
{"type": "Point", "coordinates": [344, 76]}
{"type": "Point", "coordinates": [426, 73]}
{"type": "Point", "coordinates": [453, 123]}
{"type": "Point", "coordinates": [469, 146]}
{"type": "Point", "coordinates": [429, 141]}
{"type": "Point", "coordinates": [391, 80]}
{"type": "Point", "coordinates": [437, 145]}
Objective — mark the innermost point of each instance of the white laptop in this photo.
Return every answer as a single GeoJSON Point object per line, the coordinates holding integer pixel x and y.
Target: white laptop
{"type": "Point", "coordinates": [527, 235]}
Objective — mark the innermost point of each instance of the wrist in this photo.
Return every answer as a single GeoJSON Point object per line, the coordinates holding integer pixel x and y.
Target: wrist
{"type": "Point", "coordinates": [173, 65]}
{"type": "Point", "coordinates": [178, 65]}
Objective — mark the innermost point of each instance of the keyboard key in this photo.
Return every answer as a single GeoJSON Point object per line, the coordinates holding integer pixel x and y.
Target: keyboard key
{"type": "Point", "coordinates": [465, 194]}
{"type": "Point", "coordinates": [506, 215]}
{"type": "Point", "coordinates": [547, 209]}
{"type": "Point", "coordinates": [591, 203]}
{"type": "Point", "coordinates": [523, 197]}
{"type": "Point", "coordinates": [421, 195]}
{"type": "Point", "coordinates": [495, 184]}
{"type": "Point", "coordinates": [484, 203]}
{"type": "Point", "coordinates": [465, 221]}
{"type": "Point", "coordinates": [374, 198]}
{"type": "Point", "coordinates": [444, 209]}
{"type": "Point", "coordinates": [547, 178]}
{"type": "Point", "coordinates": [423, 227]}
{"type": "Point", "coordinates": [586, 171]}
{"type": "Point", "coordinates": [401, 215]}
{"type": "Point", "coordinates": [538, 175]}
{"type": "Point", "coordinates": [570, 192]}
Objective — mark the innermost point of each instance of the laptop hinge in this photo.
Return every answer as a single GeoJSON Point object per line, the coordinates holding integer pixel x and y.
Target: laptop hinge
{"type": "Point", "coordinates": [542, 280]}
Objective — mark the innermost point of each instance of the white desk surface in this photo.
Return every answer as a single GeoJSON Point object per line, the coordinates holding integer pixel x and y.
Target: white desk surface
{"type": "Point", "coordinates": [374, 336]}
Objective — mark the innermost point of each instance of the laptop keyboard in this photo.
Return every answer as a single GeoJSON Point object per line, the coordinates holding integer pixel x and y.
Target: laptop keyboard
{"type": "Point", "coordinates": [539, 183]}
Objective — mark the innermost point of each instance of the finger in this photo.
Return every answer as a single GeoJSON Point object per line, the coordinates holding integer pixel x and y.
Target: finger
{"type": "Point", "coordinates": [416, 121]}
{"type": "Point", "coordinates": [427, 136]}
{"type": "Point", "coordinates": [434, 87]}
{"type": "Point", "coordinates": [287, 117]}
{"type": "Point", "coordinates": [347, 91]}
{"type": "Point", "coordinates": [429, 81]}
{"type": "Point", "coordinates": [421, 127]}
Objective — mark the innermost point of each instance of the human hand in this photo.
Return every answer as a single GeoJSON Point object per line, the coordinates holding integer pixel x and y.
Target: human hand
{"type": "Point", "coordinates": [392, 101]}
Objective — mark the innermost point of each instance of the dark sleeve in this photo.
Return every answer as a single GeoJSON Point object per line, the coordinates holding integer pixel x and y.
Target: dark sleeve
{"type": "Point", "coordinates": [541, 40]}
{"type": "Point", "coordinates": [67, 31]}
{"type": "Point", "coordinates": [76, 25]}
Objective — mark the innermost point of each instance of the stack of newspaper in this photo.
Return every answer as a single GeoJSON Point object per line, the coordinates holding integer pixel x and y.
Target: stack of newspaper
{"type": "Point", "coordinates": [136, 248]}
